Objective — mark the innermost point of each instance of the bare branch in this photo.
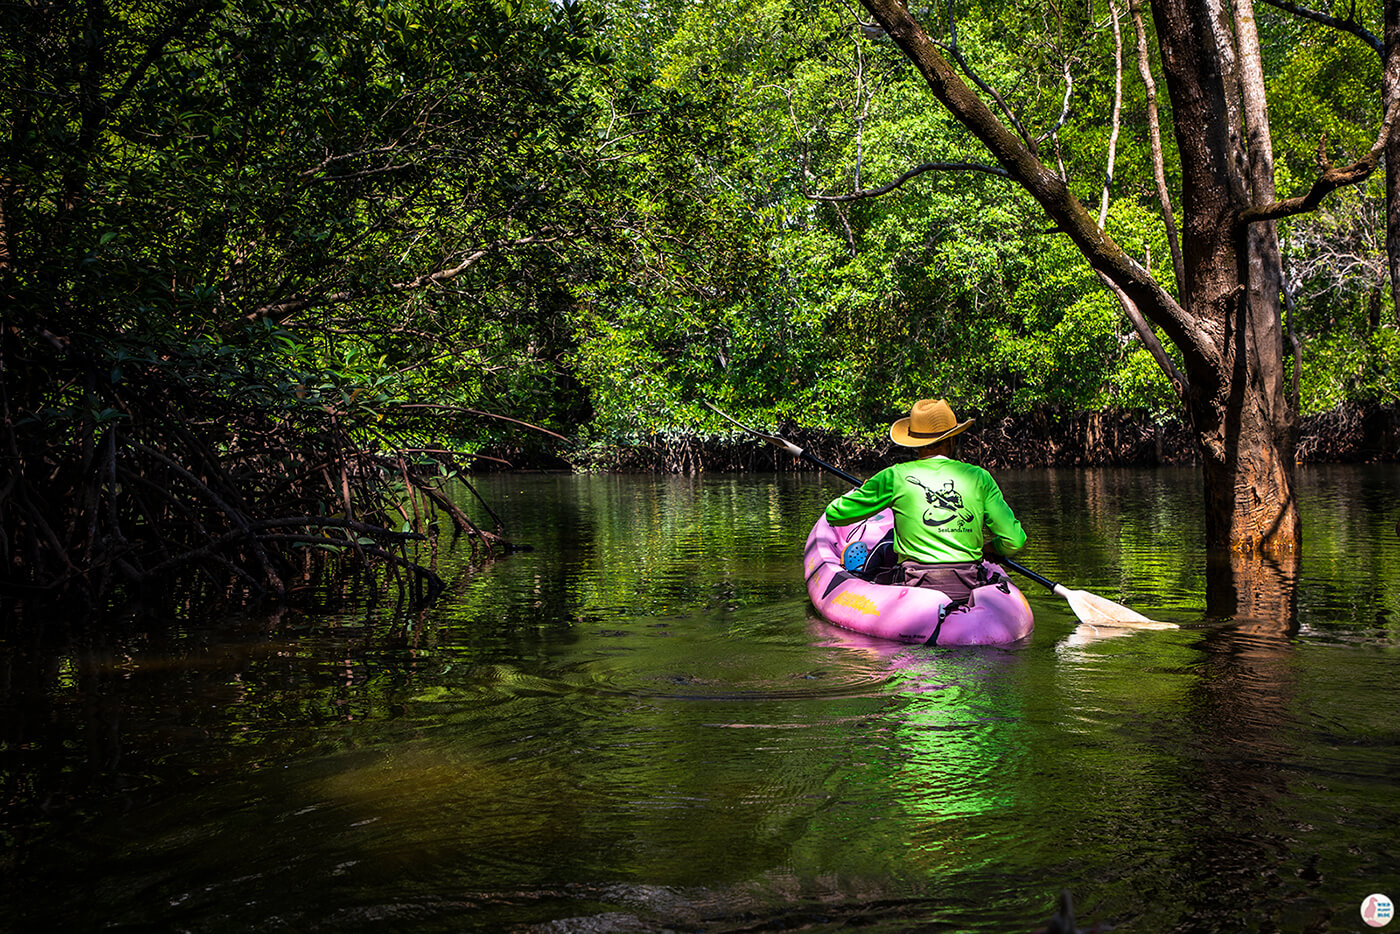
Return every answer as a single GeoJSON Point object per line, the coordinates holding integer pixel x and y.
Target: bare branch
{"type": "Point", "coordinates": [1130, 308]}
{"type": "Point", "coordinates": [1159, 172]}
{"type": "Point", "coordinates": [951, 47]}
{"type": "Point", "coordinates": [1117, 113]}
{"type": "Point", "coordinates": [1338, 249]}
{"type": "Point", "coordinates": [1053, 132]}
{"type": "Point", "coordinates": [457, 409]}
{"type": "Point", "coordinates": [1149, 339]}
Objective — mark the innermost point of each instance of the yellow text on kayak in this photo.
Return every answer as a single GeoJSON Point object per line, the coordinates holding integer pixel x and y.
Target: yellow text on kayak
{"type": "Point", "coordinates": [855, 601]}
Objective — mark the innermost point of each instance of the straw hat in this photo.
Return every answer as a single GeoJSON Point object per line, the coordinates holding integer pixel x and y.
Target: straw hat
{"type": "Point", "coordinates": [929, 421]}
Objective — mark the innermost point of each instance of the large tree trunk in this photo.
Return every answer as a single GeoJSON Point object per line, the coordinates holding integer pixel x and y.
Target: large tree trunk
{"type": "Point", "coordinates": [1243, 418]}
{"type": "Point", "coordinates": [1228, 329]}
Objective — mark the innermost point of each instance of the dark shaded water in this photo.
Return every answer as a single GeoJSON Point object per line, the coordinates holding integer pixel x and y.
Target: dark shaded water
{"type": "Point", "coordinates": [641, 726]}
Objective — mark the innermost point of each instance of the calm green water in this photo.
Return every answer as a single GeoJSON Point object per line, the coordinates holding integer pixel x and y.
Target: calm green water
{"type": "Point", "coordinates": [641, 726]}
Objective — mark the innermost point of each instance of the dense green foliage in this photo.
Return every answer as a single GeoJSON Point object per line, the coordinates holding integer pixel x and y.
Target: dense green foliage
{"type": "Point", "coordinates": [264, 261]}
{"type": "Point", "coordinates": [951, 284]}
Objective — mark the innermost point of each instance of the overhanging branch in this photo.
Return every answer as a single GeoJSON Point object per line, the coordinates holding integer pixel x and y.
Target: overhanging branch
{"type": "Point", "coordinates": [1046, 186]}
{"type": "Point", "coordinates": [461, 410]}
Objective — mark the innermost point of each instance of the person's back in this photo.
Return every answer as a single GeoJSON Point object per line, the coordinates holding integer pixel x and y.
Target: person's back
{"type": "Point", "coordinates": [941, 505]}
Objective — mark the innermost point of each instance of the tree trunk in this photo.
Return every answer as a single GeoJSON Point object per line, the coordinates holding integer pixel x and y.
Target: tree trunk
{"type": "Point", "coordinates": [1244, 423]}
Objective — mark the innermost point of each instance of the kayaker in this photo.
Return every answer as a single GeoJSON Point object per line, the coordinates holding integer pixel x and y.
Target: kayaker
{"type": "Point", "coordinates": [941, 505]}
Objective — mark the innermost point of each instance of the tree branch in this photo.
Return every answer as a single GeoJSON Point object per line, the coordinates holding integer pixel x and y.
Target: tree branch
{"type": "Point", "coordinates": [1130, 309]}
{"type": "Point", "coordinates": [1332, 178]}
{"type": "Point", "coordinates": [1149, 340]}
{"type": "Point", "coordinates": [955, 51]}
{"type": "Point", "coordinates": [1117, 114]}
{"type": "Point", "coordinates": [457, 409]}
{"type": "Point", "coordinates": [1159, 171]}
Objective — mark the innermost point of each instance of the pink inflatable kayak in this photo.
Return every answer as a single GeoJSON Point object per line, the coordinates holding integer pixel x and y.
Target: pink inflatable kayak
{"type": "Point", "coordinates": [995, 614]}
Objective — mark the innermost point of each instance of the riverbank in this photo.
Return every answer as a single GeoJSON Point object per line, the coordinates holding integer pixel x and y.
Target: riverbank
{"type": "Point", "coordinates": [1045, 438]}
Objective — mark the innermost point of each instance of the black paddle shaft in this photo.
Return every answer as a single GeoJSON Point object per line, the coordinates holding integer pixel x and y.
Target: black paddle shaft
{"type": "Point", "coordinates": [1043, 581]}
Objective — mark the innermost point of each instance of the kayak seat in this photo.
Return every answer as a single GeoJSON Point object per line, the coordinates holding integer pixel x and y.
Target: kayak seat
{"type": "Point", "coordinates": [854, 557]}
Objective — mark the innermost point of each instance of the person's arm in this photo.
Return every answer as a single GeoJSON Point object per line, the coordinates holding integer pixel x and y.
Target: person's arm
{"type": "Point", "coordinates": [875, 494]}
{"type": "Point", "coordinates": [1007, 535]}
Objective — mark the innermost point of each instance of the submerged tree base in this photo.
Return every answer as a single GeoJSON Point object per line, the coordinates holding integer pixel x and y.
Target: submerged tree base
{"type": "Point", "coordinates": [1259, 592]}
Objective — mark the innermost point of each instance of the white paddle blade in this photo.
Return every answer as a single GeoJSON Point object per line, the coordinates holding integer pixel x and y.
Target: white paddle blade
{"type": "Point", "coordinates": [1091, 608]}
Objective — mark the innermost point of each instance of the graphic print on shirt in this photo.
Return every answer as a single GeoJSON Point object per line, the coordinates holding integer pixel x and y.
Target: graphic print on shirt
{"type": "Point", "coordinates": [945, 505]}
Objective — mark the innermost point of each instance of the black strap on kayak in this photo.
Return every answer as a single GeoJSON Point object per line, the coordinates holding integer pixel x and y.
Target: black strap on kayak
{"type": "Point", "coordinates": [948, 609]}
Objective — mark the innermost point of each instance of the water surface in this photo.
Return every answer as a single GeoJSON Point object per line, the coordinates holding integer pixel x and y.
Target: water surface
{"type": "Point", "coordinates": [641, 725]}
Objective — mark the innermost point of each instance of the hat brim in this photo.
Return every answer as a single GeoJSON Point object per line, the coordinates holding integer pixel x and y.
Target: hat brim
{"type": "Point", "coordinates": [899, 434]}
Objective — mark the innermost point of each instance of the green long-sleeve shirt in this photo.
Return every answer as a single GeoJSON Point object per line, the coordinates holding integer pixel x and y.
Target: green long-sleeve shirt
{"type": "Point", "coordinates": [940, 509]}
